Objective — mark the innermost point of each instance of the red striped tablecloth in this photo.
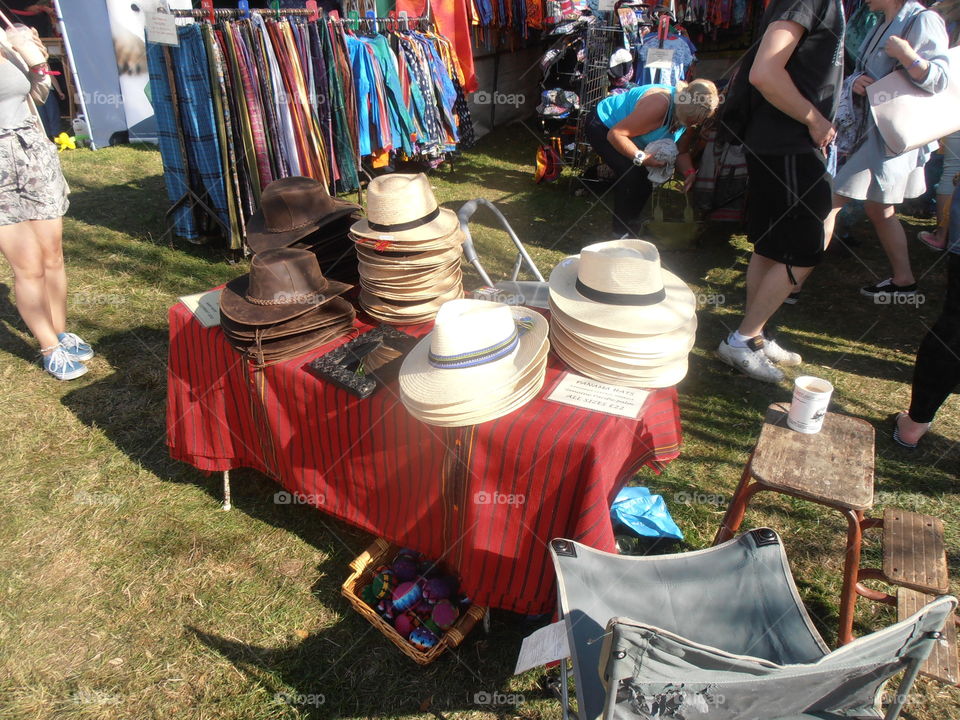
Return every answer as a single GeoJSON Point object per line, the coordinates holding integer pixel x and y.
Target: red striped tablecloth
{"type": "Point", "coordinates": [488, 507]}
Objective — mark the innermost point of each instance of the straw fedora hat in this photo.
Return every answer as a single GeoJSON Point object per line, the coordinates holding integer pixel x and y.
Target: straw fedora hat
{"type": "Point", "coordinates": [619, 286]}
{"type": "Point", "coordinates": [290, 209]}
{"type": "Point", "coordinates": [659, 377]}
{"type": "Point", "coordinates": [472, 359]}
{"type": "Point", "coordinates": [413, 259]}
{"type": "Point", "coordinates": [613, 343]}
{"type": "Point", "coordinates": [400, 312]}
{"type": "Point", "coordinates": [402, 209]}
{"type": "Point", "coordinates": [617, 360]}
{"type": "Point", "coordinates": [281, 285]}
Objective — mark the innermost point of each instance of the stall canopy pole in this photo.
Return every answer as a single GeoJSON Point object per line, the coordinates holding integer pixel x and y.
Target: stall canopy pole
{"type": "Point", "coordinates": [81, 96]}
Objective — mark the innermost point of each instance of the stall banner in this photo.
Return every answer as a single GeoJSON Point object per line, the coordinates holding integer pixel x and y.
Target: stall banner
{"type": "Point", "coordinates": [86, 29]}
{"type": "Point", "coordinates": [127, 28]}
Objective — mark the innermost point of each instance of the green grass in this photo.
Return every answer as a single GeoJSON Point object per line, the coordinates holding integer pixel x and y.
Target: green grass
{"type": "Point", "coordinates": [126, 593]}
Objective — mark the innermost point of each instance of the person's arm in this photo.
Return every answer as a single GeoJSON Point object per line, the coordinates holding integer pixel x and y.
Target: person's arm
{"type": "Point", "coordinates": [927, 65]}
{"type": "Point", "coordinates": [647, 115]}
{"type": "Point", "coordinates": [685, 161]}
{"type": "Point", "coordinates": [769, 75]}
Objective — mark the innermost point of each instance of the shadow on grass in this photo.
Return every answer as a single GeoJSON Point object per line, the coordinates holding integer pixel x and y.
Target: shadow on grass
{"type": "Point", "coordinates": [9, 341]}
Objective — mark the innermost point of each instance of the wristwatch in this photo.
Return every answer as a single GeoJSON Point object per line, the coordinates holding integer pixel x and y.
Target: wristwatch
{"type": "Point", "coordinates": [638, 157]}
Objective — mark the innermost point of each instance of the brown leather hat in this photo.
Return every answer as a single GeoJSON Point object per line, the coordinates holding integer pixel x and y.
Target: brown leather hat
{"type": "Point", "coordinates": [292, 208]}
{"type": "Point", "coordinates": [328, 314]}
{"type": "Point", "coordinates": [282, 284]}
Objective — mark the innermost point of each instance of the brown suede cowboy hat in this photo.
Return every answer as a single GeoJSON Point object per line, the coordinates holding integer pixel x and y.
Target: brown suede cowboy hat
{"type": "Point", "coordinates": [328, 314]}
{"type": "Point", "coordinates": [290, 209]}
{"type": "Point", "coordinates": [282, 284]}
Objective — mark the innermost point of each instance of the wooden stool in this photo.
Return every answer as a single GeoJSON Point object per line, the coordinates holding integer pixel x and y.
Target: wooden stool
{"type": "Point", "coordinates": [833, 468]}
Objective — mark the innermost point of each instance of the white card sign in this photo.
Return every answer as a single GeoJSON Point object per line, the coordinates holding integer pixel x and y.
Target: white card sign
{"type": "Point", "coordinates": [161, 26]}
{"type": "Point", "coordinates": [659, 58]}
{"type": "Point", "coordinates": [546, 645]}
{"type": "Point", "coordinates": [590, 394]}
{"type": "Point", "coordinates": [205, 307]}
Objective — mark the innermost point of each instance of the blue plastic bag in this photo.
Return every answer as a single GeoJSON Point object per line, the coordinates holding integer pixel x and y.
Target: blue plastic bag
{"type": "Point", "coordinates": [644, 514]}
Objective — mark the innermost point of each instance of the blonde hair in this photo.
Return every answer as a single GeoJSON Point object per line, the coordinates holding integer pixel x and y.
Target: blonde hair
{"type": "Point", "coordinates": [696, 101]}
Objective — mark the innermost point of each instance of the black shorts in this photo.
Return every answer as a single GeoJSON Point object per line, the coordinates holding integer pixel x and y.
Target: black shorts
{"type": "Point", "coordinates": [789, 198]}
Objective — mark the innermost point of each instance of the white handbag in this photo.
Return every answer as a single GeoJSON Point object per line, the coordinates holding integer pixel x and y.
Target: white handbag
{"type": "Point", "coordinates": [908, 117]}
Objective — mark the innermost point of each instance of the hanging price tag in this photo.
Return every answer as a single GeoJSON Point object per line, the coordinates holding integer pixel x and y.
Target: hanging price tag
{"type": "Point", "coordinates": [314, 13]}
{"type": "Point", "coordinates": [659, 58]}
{"type": "Point", "coordinates": [160, 26]}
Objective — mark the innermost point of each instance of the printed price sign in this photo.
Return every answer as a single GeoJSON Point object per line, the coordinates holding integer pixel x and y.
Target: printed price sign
{"type": "Point", "coordinates": [659, 58]}
{"type": "Point", "coordinates": [590, 394]}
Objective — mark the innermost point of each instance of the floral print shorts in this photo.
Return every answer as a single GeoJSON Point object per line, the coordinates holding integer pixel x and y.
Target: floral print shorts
{"type": "Point", "coordinates": [32, 186]}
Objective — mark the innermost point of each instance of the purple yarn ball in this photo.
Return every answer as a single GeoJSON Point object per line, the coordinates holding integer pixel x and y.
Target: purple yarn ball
{"type": "Point", "coordinates": [406, 596]}
{"type": "Point", "coordinates": [439, 588]}
{"type": "Point", "coordinates": [405, 568]}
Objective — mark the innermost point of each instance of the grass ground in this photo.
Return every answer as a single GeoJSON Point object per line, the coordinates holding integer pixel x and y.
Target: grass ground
{"type": "Point", "coordinates": [125, 593]}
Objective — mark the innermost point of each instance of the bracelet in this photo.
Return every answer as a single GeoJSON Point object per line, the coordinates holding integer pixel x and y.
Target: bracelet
{"type": "Point", "coordinates": [638, 157]}
{"type": "Point", "coordinates": [691, 171]}
{"type": "Point", "coordinates": [916, 62]}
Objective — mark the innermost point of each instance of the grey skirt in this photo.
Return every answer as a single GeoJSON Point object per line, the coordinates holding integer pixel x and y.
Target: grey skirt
{"type": "Point", "coordinates": [869, 174]}
{"type": "Point", "coordinates": [32, 186]}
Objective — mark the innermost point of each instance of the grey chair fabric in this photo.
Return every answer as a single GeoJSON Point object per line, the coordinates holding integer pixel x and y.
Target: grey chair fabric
{"type": "Point", "coordinates": [727, 624]}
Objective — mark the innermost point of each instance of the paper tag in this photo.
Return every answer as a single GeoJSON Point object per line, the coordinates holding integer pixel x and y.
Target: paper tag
{"type": "Point", "coordinates": [606, 5]}
{"type": "Point", "coordinates": [659, 58]}
{"type": "Point", "coordinates": [161, 28]}
{"type": "Point", "coordinates": [546, 645]}
{"type": "Point", "coordinates": [593, 395]}
{"type": "Point", "coordinates": [205, 307]}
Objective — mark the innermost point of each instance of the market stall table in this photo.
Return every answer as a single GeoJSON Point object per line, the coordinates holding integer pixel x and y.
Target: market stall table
{"type": "Point", "coordinates": [488, 507]}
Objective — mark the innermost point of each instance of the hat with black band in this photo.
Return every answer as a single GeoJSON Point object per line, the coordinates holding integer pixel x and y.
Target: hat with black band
{"type": "Point", "coordinates": [403, 215]}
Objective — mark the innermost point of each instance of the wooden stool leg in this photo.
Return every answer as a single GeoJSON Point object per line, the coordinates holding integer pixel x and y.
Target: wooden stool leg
{"type": "Point", "coordinates": [733, 518]}
{"type": "Point", "coordinates": [851, 568]}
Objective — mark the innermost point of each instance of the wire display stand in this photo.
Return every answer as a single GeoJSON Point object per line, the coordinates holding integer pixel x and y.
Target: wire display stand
{"type": "Point", "coordinates": [599, 46]}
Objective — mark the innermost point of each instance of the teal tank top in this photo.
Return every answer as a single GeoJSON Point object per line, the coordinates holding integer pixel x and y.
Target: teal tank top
{"type": "Point", "coordinates": [615, 108]}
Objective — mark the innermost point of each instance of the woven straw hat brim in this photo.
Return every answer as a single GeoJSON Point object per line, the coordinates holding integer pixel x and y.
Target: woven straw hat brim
{"type": "Point", "coordinates": [649, 347]}
{"type": "Point", "coordinates": [619, 341]}
{"type": "Point", "coordinates": [373, 302]}
{"type": "Point", "coordinates": [234, 303]}
{"type": "Point", "coordinates": [485, 413]}
{"type": "Point", "coordinates": [423, 236]}
{"type": "Point", "coordinates": [414, 260]}
{"type": "Point", "coordinates": [425, 385]}
{"type": "Point", "coordinates": [625, 364]}
{"type": "Point", "coordinates": [427, 291]}
{"type": "Point", "coordinates": [406, 274]}
{"type": "Point", "coordinates": [665, 376]}
{"type": "Point", "coordinates": [441, 406]}
{"type": "Point", "coordinates": [676, 309]}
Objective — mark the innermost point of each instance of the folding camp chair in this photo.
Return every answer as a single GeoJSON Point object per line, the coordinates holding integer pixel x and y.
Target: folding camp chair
{"type": "Point", "coordinates": [513, 291]}
{"type": "Point", "coordinates": [722, 632]}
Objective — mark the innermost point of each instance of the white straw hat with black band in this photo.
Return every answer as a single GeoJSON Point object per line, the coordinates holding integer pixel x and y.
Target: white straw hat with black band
{"type": "Point", "coordinates": [619, 286]}
{"type": "Point", "coordinates": [402, 210]}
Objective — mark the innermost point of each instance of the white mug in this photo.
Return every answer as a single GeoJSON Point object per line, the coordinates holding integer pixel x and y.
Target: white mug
{"type": "Point", "coordinates": [811, 395]}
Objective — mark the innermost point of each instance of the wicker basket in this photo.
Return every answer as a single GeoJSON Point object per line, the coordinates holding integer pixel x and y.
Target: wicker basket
{"type": "Point", "coordinates": [363, 568]}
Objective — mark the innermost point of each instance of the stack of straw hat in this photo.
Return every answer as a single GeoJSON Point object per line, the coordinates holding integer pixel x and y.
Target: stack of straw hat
{"type": "Point", "coordinates": [408, 251]}
{"type": "Point", "coordinates": [617, 316]}
{"type": "Point", "coordinates": [481, 361]}
{"type": "Point", "coordinates": [283, 307]}
{"type": "Point", "coordinates": [298, 212]}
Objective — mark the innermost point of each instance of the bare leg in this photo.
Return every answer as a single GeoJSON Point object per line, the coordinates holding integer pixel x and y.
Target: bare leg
{"type": "Point", "coordinates": [768, 285]}
{"type": "Point", "coordinates": [831, 220]}
{"type": "Point", "coordinates": [19, 245]}
{"type": "Point", "coordinates": [893, 239]}
{"type": "Point", "coordinates": [50, 236]}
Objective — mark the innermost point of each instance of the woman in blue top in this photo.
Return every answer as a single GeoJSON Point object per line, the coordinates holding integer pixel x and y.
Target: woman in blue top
{"type": "Point", "coordinates": [621, 126]}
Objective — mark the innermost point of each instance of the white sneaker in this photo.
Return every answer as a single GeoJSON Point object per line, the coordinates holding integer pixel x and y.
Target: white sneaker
{"type": "Point", "coordinates": [778, 355]}
{"type": "Point", "coordinates": [750, 362]}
